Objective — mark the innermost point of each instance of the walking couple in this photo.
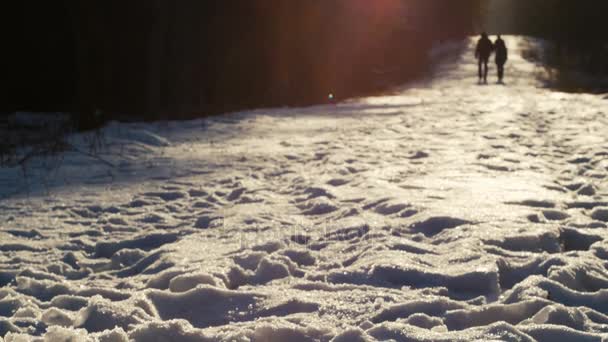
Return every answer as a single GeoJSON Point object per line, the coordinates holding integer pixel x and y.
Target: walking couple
{"type": "Point", "coordinates": [484, 50]}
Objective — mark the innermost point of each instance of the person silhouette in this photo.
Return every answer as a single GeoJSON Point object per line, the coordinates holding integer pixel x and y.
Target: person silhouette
{"type": "Point", "coordinates": [482, 54]}
{"type": "Point", "coordinates": [502, 55]}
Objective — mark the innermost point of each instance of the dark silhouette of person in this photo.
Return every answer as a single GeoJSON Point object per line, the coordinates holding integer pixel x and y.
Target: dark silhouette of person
{"type": "Point", "coordinates": [482, 53]}
{"type": "Point", "coordinates": [502, 54]}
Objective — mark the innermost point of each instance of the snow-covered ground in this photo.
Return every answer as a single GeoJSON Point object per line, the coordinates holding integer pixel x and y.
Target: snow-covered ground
{"type": "Point", "coordinates": [447, 211]}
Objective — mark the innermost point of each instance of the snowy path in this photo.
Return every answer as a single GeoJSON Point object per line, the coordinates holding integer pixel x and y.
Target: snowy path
{"type": "Point", "coordinates": [446, 212]}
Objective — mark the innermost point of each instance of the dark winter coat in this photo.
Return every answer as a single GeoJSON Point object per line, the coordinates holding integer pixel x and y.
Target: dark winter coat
{"type": "Point", "coordinates": [501, 51]}
{"type": "Point", "coordinates": [484, 48]}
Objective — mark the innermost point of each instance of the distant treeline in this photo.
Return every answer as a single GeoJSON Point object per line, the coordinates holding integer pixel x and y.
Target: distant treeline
{"type": "Point", "coordinates": [156, 59]}
{"type": "Point", "coordinates": [561, 19]}
{"type": "Point", "coordinates": [578, 37]}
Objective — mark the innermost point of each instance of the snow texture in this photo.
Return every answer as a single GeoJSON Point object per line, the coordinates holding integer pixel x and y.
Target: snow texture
{"type": "Point", "coordinates": [447, 211]}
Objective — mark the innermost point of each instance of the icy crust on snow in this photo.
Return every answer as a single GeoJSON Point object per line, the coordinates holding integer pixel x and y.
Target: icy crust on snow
{"type": "Point", "coordinates": [445, 212]}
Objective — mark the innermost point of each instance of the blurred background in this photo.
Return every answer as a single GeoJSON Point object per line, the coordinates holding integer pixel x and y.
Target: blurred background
{"type": "Point", "coordinates": [174, 59]}
{"type": "Point", "coordinates": [572, 44]}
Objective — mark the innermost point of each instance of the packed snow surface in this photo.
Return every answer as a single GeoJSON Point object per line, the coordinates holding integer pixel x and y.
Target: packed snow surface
{"type": "Point", "coordinates": [448, 211]}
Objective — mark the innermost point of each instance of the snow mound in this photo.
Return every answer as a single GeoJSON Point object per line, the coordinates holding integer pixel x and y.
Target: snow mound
{"type": "Point", "coordinates": [137, 135]}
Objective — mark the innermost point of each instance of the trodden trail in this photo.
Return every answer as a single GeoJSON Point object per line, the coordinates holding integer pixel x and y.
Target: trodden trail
{"type": "Point", "coordinates": [446, 211]}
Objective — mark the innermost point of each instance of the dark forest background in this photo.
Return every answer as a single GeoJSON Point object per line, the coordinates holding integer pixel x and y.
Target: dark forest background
{"type": "Point", "coordinates": [167, 59]}
{"type": "Point", "coordinates": [577, 37]}
{"type": "Point", "coordinates": [172, 59]}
